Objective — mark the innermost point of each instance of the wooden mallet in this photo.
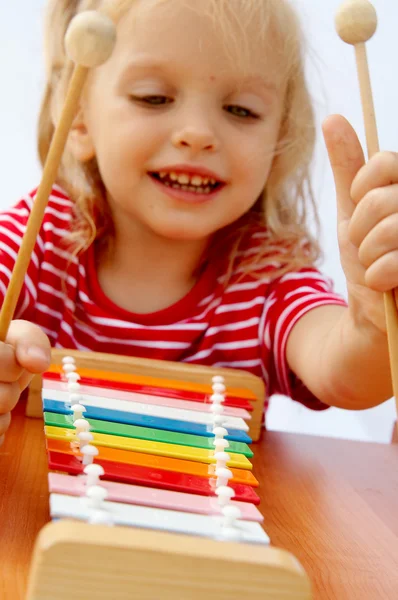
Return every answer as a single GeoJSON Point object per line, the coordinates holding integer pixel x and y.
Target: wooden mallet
{"type": "Point", "coordinates": [356, 23]}
{"type": "Point", "coordinates": [89, 42]}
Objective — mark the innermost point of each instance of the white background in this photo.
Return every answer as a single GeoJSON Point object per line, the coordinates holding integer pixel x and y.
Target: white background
{"type": "Point", "coordinates": [333, 81]}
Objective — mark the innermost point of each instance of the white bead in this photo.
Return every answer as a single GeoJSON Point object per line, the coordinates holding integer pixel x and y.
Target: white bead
{"type": "Point", "coordinates": [219, 420]}
{"type": "Point", "coordinates": [75, 398]}
{"type": "Point", "coordinates": [220, 445]}
{"type": "Point", "coordinates": [69, 369]}
{"type": "Point", "coordinates": [78, 410]}
{"type": "Point", "coordinates": [90, 39]}
{"type": "Point", "coordinates": [100, 517]}
{"type": "Point", "coordinates": [231, 534]}
{"type": "Point", "coordinates": [217, 409]}
{"type": "Point", "coordinates": [220, 432]}
{"type": "Point", "coordinates": [72, 377]}
{"type": "Point", "coordinates": [89, 453]}
{"type": "Point", "coordinates": [74, 387]}
{"type": "Point", "coordinates": [85, 437]}
{"type": "Point", "coordinates": [217, 398]}
{"type": "Point", "coordinates": [219, 388]}
{"type": "Point", "coordinates": [81, 425]}
{"type": "Point", "coordinates": [218, 379]}
{"type": "Point", "coordinates": [68, 360]}
{"type": "Point", "coordinates": [225, 495]}
{"type": "Point", "coordinates": [222, 459]}
{"type": "Point", "coordinates": [231, 514]}
{"type": "Point", "coordinates": [93, 472]}
{"type": "Point", "coordinates": [96, 495]}
{"type": "Point", "coordinates": [223, 477]}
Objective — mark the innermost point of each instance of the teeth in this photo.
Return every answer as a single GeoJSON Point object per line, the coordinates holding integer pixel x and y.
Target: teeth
{"type": "Point", "coordinates": [183, 179]}
{"type": "Point", "coordinates": [197, 180]}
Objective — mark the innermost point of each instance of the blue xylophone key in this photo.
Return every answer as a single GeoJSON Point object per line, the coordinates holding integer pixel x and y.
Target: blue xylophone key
{"type": "Point", "coordinates": [101, 414]}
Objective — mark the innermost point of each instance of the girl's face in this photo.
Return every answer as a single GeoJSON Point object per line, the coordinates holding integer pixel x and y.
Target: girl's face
{"type": "Point", "coordinates": [183, 134]}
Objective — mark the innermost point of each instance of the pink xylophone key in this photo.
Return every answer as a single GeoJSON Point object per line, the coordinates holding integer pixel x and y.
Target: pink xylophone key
{"type": "Point", "coordinates": [103, 392]}
{"type": "Point", "coordinates": [132, 494]}
{"type": "Point", "coordinates": [156, 391]}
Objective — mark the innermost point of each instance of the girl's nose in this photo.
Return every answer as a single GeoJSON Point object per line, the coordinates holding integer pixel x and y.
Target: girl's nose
{"type": "Point", "coordinates": [195, 140]}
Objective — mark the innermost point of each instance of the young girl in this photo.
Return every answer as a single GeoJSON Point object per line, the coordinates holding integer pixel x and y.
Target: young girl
{"type": "Point", "coordinates": [178, 228]}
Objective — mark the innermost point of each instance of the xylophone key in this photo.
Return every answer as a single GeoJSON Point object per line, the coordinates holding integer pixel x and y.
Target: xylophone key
{"type": "Point", "coordinates": [133, 494]}
{"type": "Point", "coordinates": [152, 518]}
{"type": "Point", "coordinates": [155, 388]}
{"type": "Point", "coordinates": [53, 404]}
{"type": "Point", "coordinates": [149, 477]}
{"type": "Point", "coordinates": [145, 433]}
{"type": "Point", "coordinates": [158, 448]}
{"type": "Point", "coordinates": [131, 396]}
{"type": "Point", "coordinates": [156, 462]}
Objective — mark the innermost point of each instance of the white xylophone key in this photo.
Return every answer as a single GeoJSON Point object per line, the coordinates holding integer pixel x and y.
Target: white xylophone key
{"type": "Point", "coordinates": [152, 518]}
{"type": "Point", "coordinates": [204, 418]}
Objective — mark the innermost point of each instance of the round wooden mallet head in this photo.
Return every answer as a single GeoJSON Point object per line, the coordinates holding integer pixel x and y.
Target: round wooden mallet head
{"type": "Point", "coordinates": [90, 39]}
{"type": "Point", "coordinates": [356, 21]}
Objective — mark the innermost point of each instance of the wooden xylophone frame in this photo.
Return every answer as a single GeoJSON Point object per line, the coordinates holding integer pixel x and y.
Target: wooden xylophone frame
{"type": "Point", "coordinates": [116, 563]}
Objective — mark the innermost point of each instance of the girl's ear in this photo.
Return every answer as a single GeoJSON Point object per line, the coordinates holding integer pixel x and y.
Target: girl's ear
{"type": "Point", "coordinates": [79, 141]}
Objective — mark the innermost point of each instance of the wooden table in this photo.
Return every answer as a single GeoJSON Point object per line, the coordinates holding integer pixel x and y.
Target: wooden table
{"type": "Point", "coordinates": [332, 503]}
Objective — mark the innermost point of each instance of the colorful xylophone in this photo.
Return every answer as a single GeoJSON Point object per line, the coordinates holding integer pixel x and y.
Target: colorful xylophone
{"type": "Point", "coordinates": [150, 455]}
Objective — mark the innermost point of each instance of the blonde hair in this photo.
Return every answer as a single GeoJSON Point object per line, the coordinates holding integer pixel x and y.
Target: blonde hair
{"type": "Point", "coordinates": [287, 200]}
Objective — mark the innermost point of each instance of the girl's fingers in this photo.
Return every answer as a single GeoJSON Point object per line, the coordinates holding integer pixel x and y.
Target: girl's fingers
{"type": "Point", "coordinates": [9, 396]}
{"type": "Point", "coordinates": [375, 206]}
{"type": "Point", "coordinates": [382, 275]}
{"type": "Point", "coordinates": [10, 369]}
{"type": "Point", "coordinates": [32, 347]}
{"type": "Point", "coordinates": [24, 380]}
{"type": "Point", "coordinates": [380, 171]}
{"type": "Point", "coordinates": [382, 239]}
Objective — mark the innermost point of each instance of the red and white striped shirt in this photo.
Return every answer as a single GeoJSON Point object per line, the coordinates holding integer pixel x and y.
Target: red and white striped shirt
{"type": "Point", "coordinates": [243, 323]}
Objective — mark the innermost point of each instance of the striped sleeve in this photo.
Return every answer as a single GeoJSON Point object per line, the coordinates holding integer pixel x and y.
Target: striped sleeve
{"type": "Point", "coordinates": [292, 296]}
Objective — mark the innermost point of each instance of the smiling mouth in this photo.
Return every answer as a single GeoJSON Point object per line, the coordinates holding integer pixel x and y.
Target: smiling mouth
{"type": "Point", "coordinates": [194, 184]}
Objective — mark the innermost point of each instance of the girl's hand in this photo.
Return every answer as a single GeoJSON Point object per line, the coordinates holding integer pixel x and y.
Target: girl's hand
{"type": "Point", "coordinates": [367, 216]}
{"type": "Point", "coordinates": [26, 351]}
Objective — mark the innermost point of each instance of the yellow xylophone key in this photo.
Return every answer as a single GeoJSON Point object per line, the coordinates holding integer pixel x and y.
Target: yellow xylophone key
{"type": "Point", "coordinates": [156, 462]}
{"type": "Point", "coordinates": [158, 448]}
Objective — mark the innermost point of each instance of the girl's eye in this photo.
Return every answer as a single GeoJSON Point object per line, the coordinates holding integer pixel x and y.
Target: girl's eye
{"type": "Point", "coordinates": [240, 111]}
{"type": "Point", "coordinates": [154, 100]}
